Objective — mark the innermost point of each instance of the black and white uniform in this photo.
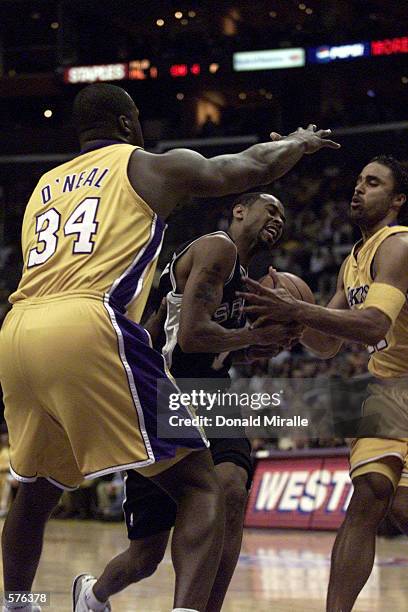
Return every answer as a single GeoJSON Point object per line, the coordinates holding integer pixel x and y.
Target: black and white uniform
{"type": "Point", "coordinates": [148, 510]}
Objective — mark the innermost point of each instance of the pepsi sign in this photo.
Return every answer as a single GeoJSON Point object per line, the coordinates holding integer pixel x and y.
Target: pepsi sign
{"type": "Point", "coordinates": [326, 53]}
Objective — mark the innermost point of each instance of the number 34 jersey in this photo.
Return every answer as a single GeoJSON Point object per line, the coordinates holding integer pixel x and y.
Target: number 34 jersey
{"type": "Point", "coordinates": [87, 232]}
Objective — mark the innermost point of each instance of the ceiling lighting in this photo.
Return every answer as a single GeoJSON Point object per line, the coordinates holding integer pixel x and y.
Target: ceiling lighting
{"type": "Point", "coordinates": [213, 68]}
{"type": "Point", "coordinates": [55, 25]}
{"type": "Point", "coordinates": [178, 14]}
{"type": "Point", "coordinates": [160, 23]}
{"type": "Point", "coordinates": [48, 113]}
{"type": "Point", "coordinates": [273, 14]}
{"type": "Point", "coordinates": [180, 96]}
{"type": "Point", "coordinates": [309, 11]}
{"type": "Point", "coordinates": [192, 14]}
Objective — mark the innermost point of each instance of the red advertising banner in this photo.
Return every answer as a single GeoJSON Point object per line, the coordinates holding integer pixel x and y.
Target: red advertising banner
{"type": "Point", "coordinates": [299, 493]}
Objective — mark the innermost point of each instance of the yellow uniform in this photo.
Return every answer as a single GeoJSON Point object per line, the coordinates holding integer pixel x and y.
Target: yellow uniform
{"type": "Point", "coordinates": [78, 376]}
{"type": "Point", "coordinates": [388, 394]}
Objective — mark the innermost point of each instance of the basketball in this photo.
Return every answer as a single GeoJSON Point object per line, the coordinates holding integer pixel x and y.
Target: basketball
{"type": "Point", "coordinates": [294, 284]}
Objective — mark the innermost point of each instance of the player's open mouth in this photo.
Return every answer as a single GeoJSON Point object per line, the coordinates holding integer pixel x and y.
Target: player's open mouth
{"type": "Point", "coordinates": [271, 231]}
{"type": "Point", "coordinates": [356, 202]}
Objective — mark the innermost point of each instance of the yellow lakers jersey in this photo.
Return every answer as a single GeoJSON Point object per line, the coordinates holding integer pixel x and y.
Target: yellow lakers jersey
{"type": "Point", "coordinates": [389, 358]}
{"type": "Point", "coordinates": [87, 232]}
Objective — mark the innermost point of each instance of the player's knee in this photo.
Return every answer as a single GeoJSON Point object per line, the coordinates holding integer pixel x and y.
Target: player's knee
{"type": "Point", "coordinates": [236, 496]}
{"type": "Point", "coordinates": [372, 491]}
{"type": "Point", "coordinates": [399, 512]}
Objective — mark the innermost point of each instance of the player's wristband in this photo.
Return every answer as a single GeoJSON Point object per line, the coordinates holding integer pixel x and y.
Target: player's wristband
{"type": "Point", "coordinates": [386, 298]}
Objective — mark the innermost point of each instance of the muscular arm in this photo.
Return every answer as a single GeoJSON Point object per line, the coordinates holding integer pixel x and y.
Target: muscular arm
{"type": "Point", "coordinates": [324, 345]}
{"type": "Point", "coordinates": [166, 179]}
{"type": "Point", "coordinates": [367, 325]}
{"type": "Point", "coordinates": [213, 260]}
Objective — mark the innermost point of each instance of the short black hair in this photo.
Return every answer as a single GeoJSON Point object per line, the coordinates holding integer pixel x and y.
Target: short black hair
{"type": "Point", "coordinates": [97, 107]}
{"type": "Point", "coordinates": [399, 172]}
{"type": "Point", "coordinates": [400, 175]}
{"type": "Point", "coordinates": [245, 199]}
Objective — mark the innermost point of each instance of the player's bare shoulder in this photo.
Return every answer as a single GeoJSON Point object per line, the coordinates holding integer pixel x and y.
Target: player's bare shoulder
{"type": "Point", "coordinates": [217, 249]}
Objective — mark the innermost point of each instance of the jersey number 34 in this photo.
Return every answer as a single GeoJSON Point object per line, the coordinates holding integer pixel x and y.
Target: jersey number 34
{"type": "Point", "coordinates": [82, 223]}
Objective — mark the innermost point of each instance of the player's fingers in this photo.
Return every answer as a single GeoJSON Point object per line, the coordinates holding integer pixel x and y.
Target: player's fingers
{"type": "Point", "coordinates": [261, 309]}
{"type": "Point", "coordinates": [323, 133]}
{"type": "Point", "coordinates": [274, 136]}
{"type": "Point", "coordinates": [330, 144]}
{"type": "Point", "coordinates": [253, 298]}
{"type": "Point", "coordinates": [255, 286]}
{"type": "Point", "coordinates": [260, 321]}
{"type": "Point", "coordinates": [275, 276]}
{"type": "Point", "coordinates": [312, 127]}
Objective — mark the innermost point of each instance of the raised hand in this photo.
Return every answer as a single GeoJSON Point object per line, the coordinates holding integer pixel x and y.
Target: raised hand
{"type": "Point", "coordinates": [314, 139]}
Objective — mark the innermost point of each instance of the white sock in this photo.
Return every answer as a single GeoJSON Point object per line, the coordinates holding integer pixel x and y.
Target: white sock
{"type": "Point", "coordinates": [91, 601]}
{"type": "Point", "coordinates": [184, 610]}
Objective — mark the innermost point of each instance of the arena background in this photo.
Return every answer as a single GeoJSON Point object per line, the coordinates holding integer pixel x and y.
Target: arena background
{"type": "Point", "coordinates": [341, 64]}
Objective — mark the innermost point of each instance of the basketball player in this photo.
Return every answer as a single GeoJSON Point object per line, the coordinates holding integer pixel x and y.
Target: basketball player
{"type": "Point", "coordinates": [78, 376]}
{"type": "Point", "coordinates": [370, 307]}
{"type": "Point", "coordinates": [201, 331]}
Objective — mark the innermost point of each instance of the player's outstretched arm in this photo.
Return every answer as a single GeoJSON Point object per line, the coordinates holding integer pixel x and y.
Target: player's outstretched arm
{"type": "Point", "coordinates": [166, 179]}
{"type": "Point", "coordinates": [368, 325]}
{"type": "Point", "coordinates": [323, 345]}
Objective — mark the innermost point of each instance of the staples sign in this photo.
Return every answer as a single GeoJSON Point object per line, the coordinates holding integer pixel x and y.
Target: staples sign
{"type": "Point", "coordinates": [91, 74]}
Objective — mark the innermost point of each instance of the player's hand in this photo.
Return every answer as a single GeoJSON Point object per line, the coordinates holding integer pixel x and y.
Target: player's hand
{"type": "Point", "coordinates": [263, 352]}
{"type": "Point", "coordinates": [277, 304]}
{"type": "Point", "coordinates": [284, 335]}
{"type": "Point", "coordinates": [314, 139]}
{"type": "Point", "coordinates": [155, 322]}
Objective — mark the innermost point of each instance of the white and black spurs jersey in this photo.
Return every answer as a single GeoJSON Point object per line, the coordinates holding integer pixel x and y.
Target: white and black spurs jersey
{"type": "Point", "coordinates": [228, 314]}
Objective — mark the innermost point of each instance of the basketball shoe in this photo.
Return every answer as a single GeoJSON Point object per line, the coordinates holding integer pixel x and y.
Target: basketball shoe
{"type": "Point", "coordinates": [80, 589]}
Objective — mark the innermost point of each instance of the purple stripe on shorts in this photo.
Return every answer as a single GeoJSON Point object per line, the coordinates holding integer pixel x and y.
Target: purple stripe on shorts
{"type": "Point", "coordinates": [147, 366]}
{"type": "Point", "coordinates": [122, 293]}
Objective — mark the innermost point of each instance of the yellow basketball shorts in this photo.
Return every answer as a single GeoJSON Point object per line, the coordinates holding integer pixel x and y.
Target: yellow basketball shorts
{"type": "Point", "coordinates": [387, 400]}
{"type": "Point", "coordinates": [79, 384]}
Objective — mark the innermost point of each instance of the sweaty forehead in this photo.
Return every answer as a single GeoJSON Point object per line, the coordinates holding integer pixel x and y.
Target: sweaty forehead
{"type": "Point", "coordinates": [379, 170]}
{"type": "Point", "coordinates": [269, 200]}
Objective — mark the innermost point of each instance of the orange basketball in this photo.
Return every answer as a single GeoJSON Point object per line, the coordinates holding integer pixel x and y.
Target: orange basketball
{"type": "Point", "coordinates": [294, 284]}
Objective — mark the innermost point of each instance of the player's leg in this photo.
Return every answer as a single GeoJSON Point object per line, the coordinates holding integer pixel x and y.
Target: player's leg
{"type": "Point", "coordinates": [233, 464]}
{"type": "Point", "coordinates": [233, 480]}
{"type": "Point", "coordinates": [199, 528]}
{"type": "Point", "coordinates": [399, 509]}
{"type": "Point", "coordinates": [23, 532]}
{"type": "Point", "coordinates": [150, 515]}
{"type": "Point", "coordinates": [354, 548]}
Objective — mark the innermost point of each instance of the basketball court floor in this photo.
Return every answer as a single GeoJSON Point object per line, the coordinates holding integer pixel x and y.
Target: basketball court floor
{"type": "Point", "coordinates": [278, 571]}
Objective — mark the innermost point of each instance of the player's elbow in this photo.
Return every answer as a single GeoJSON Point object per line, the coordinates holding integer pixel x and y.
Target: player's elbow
{"type": "Point", "coordinates": [188, 340]}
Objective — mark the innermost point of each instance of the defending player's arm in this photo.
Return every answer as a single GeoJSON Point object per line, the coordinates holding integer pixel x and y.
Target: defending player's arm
{"type": "Point", "coordinates": [324, 345]}
{"type": "Point", "coordinates": [368, 325]}
{"type": "Point", "coordinates": [180, 173]}
{"type": "Point", "coordinates": [213, 259]}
